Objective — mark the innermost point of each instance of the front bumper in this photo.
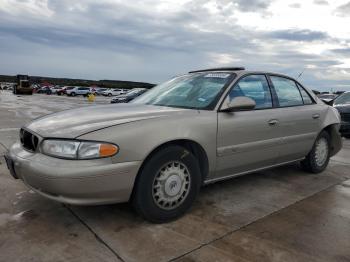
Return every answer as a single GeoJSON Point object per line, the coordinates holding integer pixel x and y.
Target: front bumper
{"type": "Point", "coordinates": [80, 182]}
{"type": "Point", "coordinates": [345, 128]}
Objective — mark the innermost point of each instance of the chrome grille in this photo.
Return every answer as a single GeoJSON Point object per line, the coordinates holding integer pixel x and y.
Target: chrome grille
{"type": "Point", "coordinates": [28, 140]}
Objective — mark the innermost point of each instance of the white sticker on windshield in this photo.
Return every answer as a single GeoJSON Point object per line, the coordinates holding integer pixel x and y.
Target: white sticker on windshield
{"type": "Point", "coordinates": [217, 75]}
{"type": "Point", "coordinates": [201, 99]}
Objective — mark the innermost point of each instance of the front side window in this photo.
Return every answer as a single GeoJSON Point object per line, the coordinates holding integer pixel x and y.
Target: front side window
{"type": "Point", "coordinates": [287, 92]}
{"type": "Point", "coordinates": [255, 87]}
{"type": "Point", "coordinates": [197, 91]}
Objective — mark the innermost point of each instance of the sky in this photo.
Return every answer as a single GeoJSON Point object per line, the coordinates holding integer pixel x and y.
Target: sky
{"type": "Point", "coordinates": [154, 40]}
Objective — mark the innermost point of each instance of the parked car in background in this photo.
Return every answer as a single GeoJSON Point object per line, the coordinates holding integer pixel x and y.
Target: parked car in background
{"type": "Point", "coordinates": [45, 90]}
{"type": "Point", "coordinates": [159, 149]}
{"type": "Point", "coordinates": [113, 92]}
{"type": "Point", "coordinates": [100, 90]}
{"type": "Point", "coordinates": [7, 87]}
{"type": "Point", "coordinates": [339, 92]}
{"type": "Point", "coordinates": [84, 91]}
{"type": "Point", "coordinates": [126, 98]}
{"type": "Point", "coordinates": [342, 104]}
{"type": "Point", "coordinates": [62, 91]}
{"type": "Point", "coordinates": [327, 98]}
{"type": "Point", "coordinates": [55, 89]}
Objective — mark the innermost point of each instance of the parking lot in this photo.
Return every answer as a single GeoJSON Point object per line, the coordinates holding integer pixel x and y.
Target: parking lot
{"type": "Point", "coordinates": [283, 214]}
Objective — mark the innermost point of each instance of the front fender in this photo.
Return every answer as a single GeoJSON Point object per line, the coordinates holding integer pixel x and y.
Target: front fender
{"type": "Point", "coordinates": [138, 139]}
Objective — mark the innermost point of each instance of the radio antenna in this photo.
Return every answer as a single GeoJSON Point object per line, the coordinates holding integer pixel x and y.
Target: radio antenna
{"type": "Point", "coordinates": [301, 73]}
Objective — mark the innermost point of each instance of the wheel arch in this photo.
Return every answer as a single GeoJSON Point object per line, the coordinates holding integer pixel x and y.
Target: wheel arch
{"type": "Point", "coordinates": [194, 147]}
{"type": "Point", "coordinates": [335, 138]}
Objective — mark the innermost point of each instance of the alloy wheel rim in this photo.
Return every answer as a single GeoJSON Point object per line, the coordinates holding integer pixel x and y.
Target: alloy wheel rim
{"type": "Point", "coordinates": [171, 185]}
{"type": "Point", "coordinates": [321, 151]}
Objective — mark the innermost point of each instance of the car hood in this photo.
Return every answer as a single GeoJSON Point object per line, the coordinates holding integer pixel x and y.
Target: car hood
{"type": "Point", "coordinates": [343, 108]}
{"type": "Point", "coordinates": [76, 122]}
{"type": "Point", "coordinates": [327, 99]}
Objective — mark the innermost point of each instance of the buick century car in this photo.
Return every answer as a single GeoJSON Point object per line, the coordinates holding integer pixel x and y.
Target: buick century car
{"type": "Point", "coordinates": [158, 150]}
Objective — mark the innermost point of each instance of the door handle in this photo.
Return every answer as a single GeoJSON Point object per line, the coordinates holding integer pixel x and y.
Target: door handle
{"type": "Point", "coordinates": [272, 122]}
{"type": "Point", "coordinates": [316, 116]}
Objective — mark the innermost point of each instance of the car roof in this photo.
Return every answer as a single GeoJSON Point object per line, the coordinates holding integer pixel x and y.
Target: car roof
{"type": "Point", "coordinates": [239, 71]}
{"type": "Point", "coordinates": [219, 69]}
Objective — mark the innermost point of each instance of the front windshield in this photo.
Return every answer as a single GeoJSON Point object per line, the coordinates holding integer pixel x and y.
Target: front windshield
{"type": "Point", "coordinates": [343, 99]}
{"type": "Point", "coordinates": [198, 91]}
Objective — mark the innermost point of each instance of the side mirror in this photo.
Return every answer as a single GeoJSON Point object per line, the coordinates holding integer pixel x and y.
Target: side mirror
{"type": "Point", "coordinates": [238, 103]}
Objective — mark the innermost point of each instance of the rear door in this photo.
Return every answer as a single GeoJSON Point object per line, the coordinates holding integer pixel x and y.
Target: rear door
{"type": "Point", "coordinates": [247, 140]}
{"type": "Point", "coordinates": [298, 118]}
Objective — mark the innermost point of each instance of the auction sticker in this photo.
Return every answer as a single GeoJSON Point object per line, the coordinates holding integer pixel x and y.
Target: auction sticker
{"type": "Point", "coordinates": [217, 75]}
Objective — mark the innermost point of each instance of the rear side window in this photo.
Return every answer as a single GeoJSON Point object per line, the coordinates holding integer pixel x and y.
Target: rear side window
{"type": "Point", "coordinates": [287, 92]}
{"type": "Point", "coordinates": [256, 87]}
{"type": "Point", "coordinates": [306, 97]}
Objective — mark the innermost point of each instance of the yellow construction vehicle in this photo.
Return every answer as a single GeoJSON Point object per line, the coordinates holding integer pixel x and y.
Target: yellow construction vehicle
{"type": "Point", "coordinates": [22, 86]}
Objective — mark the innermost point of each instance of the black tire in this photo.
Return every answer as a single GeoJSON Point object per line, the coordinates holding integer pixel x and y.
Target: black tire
{"type": "Point", "coordinates": [310, 164]}
{"type": "Point", "coordinates": [347, 136]}
{"type": "Point", "coordinates": [72, 94]}
{"type": "Point", "coordinates": [143, 199]}
{"type": "Point", "coordinates": [109, 94]}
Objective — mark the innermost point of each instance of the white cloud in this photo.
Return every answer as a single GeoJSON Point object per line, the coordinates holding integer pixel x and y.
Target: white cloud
{"type": "Point", "coordinates": [26, 7]}
{"type": "Point", "coordinates": [151, 40]}
{"type": "Point", "coordinates": [222, 59]}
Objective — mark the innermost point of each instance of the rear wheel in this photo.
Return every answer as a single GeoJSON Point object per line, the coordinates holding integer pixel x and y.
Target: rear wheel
{"type": "Point", "coordinates": [167, 185]}
{"type": "Point", "coordinates": [109, 94]}
{"type": "Point", "coordinates": [317, 160]}
{"type": "Point", "coordinates": [73, 94]}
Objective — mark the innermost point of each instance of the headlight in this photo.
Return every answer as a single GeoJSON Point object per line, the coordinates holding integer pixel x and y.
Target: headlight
{"type": "Point", "coordinates": [74, 149]}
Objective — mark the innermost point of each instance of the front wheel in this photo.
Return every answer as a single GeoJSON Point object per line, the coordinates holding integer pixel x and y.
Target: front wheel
{"type": "Point", "coordinates": [167, 185]}
{"type": "Point", "coordinates": [317, 160]}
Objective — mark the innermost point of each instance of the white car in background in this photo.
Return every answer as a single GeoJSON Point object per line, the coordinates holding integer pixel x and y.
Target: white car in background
{"type": "Point", "coordinates": [55, 89]}
{"type": "Point", "coordinates": [113, 92]}
{"type": "Point", "coordinates": [79, 91]}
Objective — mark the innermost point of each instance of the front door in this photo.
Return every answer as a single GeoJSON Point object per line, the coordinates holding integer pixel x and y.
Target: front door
{"type": "Point", "coordinates": [248, 140]}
